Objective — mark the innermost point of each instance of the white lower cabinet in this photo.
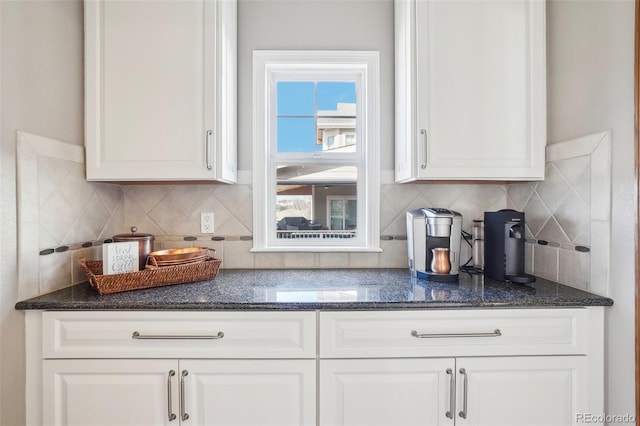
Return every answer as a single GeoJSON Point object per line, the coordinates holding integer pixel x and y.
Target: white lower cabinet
{"type": "Point", "coordinates": [169, 392]}
{"type": "Point", "coordinates": [149, 368]}
{"type": "Point", "coordinates": [480, 367]}
{"type": "Point", "coordinates": [496, 391]}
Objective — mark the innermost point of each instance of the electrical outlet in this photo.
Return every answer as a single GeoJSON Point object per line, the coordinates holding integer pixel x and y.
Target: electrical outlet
{"type": "Point", "coordinates": [206, 223]}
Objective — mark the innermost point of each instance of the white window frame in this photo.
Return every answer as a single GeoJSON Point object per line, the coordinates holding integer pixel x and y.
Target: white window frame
{"type": "Point", "coordinates": [269, 67]}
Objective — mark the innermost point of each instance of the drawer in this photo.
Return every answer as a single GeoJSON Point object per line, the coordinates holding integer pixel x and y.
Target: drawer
{"type": "Point", "coordinates": [472, 332]}
{"type": "Point", "coordinates": [166, 334]}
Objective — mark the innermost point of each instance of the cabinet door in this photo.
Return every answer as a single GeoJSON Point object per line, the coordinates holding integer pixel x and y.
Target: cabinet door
{"type": "Point", "coordinates": [249, 393]}
{"type": "Point", "coordinates": [108, 392]}
{"type": "Point", "coordinates": [522, 391]}
{"type": "Point", "coordinates": [160, 90]}
{"type": "Point", "coordinates": [470, 89]}
{"type": "Point", "coordinates": [387, 392]}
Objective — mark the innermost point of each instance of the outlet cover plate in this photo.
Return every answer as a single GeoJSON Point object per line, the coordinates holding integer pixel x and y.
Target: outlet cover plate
{"type": "Point", "coordinates": [206, 223]}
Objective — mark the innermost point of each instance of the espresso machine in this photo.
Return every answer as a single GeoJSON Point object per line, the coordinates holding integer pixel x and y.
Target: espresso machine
{"type": "Point", "coordinates": [504, 238]}
{"type": "Point", "coordinates": [433, 237]}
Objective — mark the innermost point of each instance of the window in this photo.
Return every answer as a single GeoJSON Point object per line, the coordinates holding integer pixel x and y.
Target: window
{"type": "Point", "coordinates": [315, 151]}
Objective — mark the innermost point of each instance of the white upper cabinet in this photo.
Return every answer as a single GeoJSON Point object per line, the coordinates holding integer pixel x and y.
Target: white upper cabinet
{"type": "Point", "coordinates": [160, 90]}
{"type": "Point", "coordinates": [470, 90]}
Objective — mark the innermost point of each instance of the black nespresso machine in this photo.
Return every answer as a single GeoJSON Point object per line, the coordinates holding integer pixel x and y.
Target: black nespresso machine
{"type": "Point", "coordinates": [433, 236]}
{"type": "Point", "coordinates": [504, 238]}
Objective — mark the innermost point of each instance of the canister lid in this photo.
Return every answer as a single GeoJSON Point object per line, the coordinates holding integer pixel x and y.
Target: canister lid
{"type": "Point", "coordinates": [133, 236]}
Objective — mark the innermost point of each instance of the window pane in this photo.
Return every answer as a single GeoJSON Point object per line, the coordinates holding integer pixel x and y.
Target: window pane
{"type": "Point", "coordinates": [333, 93]}
{"type": "Point", "coordinates": [297, 135]}
{"type": "Point", "coordinates": [318, 212]}
{"type": "Point", "coordinates": [296, 98]}
{"type": "Point", "coordinates": [337, 116]}
{"type": "Point", "coordinates": [316, 116]}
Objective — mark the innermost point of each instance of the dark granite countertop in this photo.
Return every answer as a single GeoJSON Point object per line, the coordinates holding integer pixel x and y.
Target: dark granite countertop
{"type": "Point", "coordinates": [311, 289]}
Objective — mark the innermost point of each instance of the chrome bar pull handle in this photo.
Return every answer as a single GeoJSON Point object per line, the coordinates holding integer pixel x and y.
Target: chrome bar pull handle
{"type": "Point", "coordinates": [414, 333]}
{"type": "Point", "coordinates": [183, 410]}
{"type": "Point", "coordinates": [207, 142]}
{"type": "Point", "coordinates": [465, 388]}
{"type": "Point", "coordinates": [423, 133]}
{"type": "Point", "coordinates": [170, 412]}
{"type": "Point", "coordinates": [452, 394]}
{"type": "Point", "coordinates": [139, 336]}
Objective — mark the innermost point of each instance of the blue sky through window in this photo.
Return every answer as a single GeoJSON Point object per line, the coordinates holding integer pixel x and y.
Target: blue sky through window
{"type": "Point", "coordinates": [297, 104]}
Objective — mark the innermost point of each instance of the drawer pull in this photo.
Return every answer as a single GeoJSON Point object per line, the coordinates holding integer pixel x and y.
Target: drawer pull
{"type": "Point", "coordinates": [495, 333]}
{"type": "Point", "coordinates": [452, 394]}
{"type": "Point", "coordinates": [207, 145]}
{"type": "Point", "coordinates": [137, 335]}
{"type": "Point", "coordinates": [170, 413]}
{"type": "Point", "coordinates": [183, 410]}
{"type": "Point", "coordinates": [423, 132]}
{"type": "Point", "coordinates": [465, 390]}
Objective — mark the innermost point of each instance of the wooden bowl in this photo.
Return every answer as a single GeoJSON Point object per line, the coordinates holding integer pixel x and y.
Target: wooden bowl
{"type": "Point", "coordinates": [180, 255]}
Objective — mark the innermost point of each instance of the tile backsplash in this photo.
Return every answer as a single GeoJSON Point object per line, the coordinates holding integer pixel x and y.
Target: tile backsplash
{"type": "Point", "coordinates": [568, 215]}
{"type": "Point", "coordinates": [61, 217]}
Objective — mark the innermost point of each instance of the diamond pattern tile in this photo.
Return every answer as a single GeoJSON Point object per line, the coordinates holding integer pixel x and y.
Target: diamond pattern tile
{"type": "Point", "coordinates": [557, 209]}
{"type": "Point", "coordinates": [577, 171]}
{"type": "Point", "coordinates": [536, 214]}
{"type": "Point", "coordinates": [189, 197]}
{"type": "Point", "coordinates": [573, 215]}
{"type": "Point", "coordinates": [519, 194]}
{"type": "Point", "coordinates": [552, 231]}
{"type": "Point", "coordinates": [553, 190]}
{"type": "Point", "coordinates": [567, 208]}
{"type": "Point", "coordinates": [169, 216]}
{"type": "Point", "coordinates": [72, 210]}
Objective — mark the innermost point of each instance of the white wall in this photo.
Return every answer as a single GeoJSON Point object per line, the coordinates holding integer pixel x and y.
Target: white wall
{"type": "Point", "coordinates": [590, 88]}
{"type": "Point", "coordinates": [313, 24]}
{"type": "Point", "coordinates": [41, 92]}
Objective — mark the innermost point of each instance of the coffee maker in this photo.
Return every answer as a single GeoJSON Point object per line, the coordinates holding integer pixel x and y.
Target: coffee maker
{"type": "Point", "coordinates": [504, 238]}
{"type": "Point", "coordinates": [433, 237]}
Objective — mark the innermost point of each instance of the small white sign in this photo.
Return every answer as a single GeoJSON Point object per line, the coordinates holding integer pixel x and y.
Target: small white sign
{"type": "Point", "coordinates": [120, 258]}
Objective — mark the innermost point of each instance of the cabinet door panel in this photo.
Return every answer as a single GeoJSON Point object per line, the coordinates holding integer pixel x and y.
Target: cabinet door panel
{"type": "Point", "coordinates": [523, 391]}
{"type": "Point", "coordinates": [160, 90]}
{"type": "Point", "coordinates": [249, 393]}
{"type": "Point", "coordinates": [470, 89]}
{"type": "Point", "coordinates": [477, 88]}
{"type": "Point", "coordinates": [147, 62]}
{"type": "Point", "coordinates": [477, 57]}
{"type": "Point", "coordinates": [153, 75]}
{"type": "Point", "coordinates": [107, 392]}
{"type": "Point", "coordinates": [387, 392]}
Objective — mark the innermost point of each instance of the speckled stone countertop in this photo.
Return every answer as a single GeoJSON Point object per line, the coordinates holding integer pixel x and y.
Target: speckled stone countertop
{"type": "Point", "coordinates": [334, 289]}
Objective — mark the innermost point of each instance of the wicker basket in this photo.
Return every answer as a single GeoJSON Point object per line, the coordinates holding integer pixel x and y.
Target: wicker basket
{"type": "Point", "coordinates": [153, 277]}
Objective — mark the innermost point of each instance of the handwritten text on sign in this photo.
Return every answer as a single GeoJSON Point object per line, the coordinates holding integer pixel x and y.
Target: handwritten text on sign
{"type": "Point", "coordinates": [120, 258]}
